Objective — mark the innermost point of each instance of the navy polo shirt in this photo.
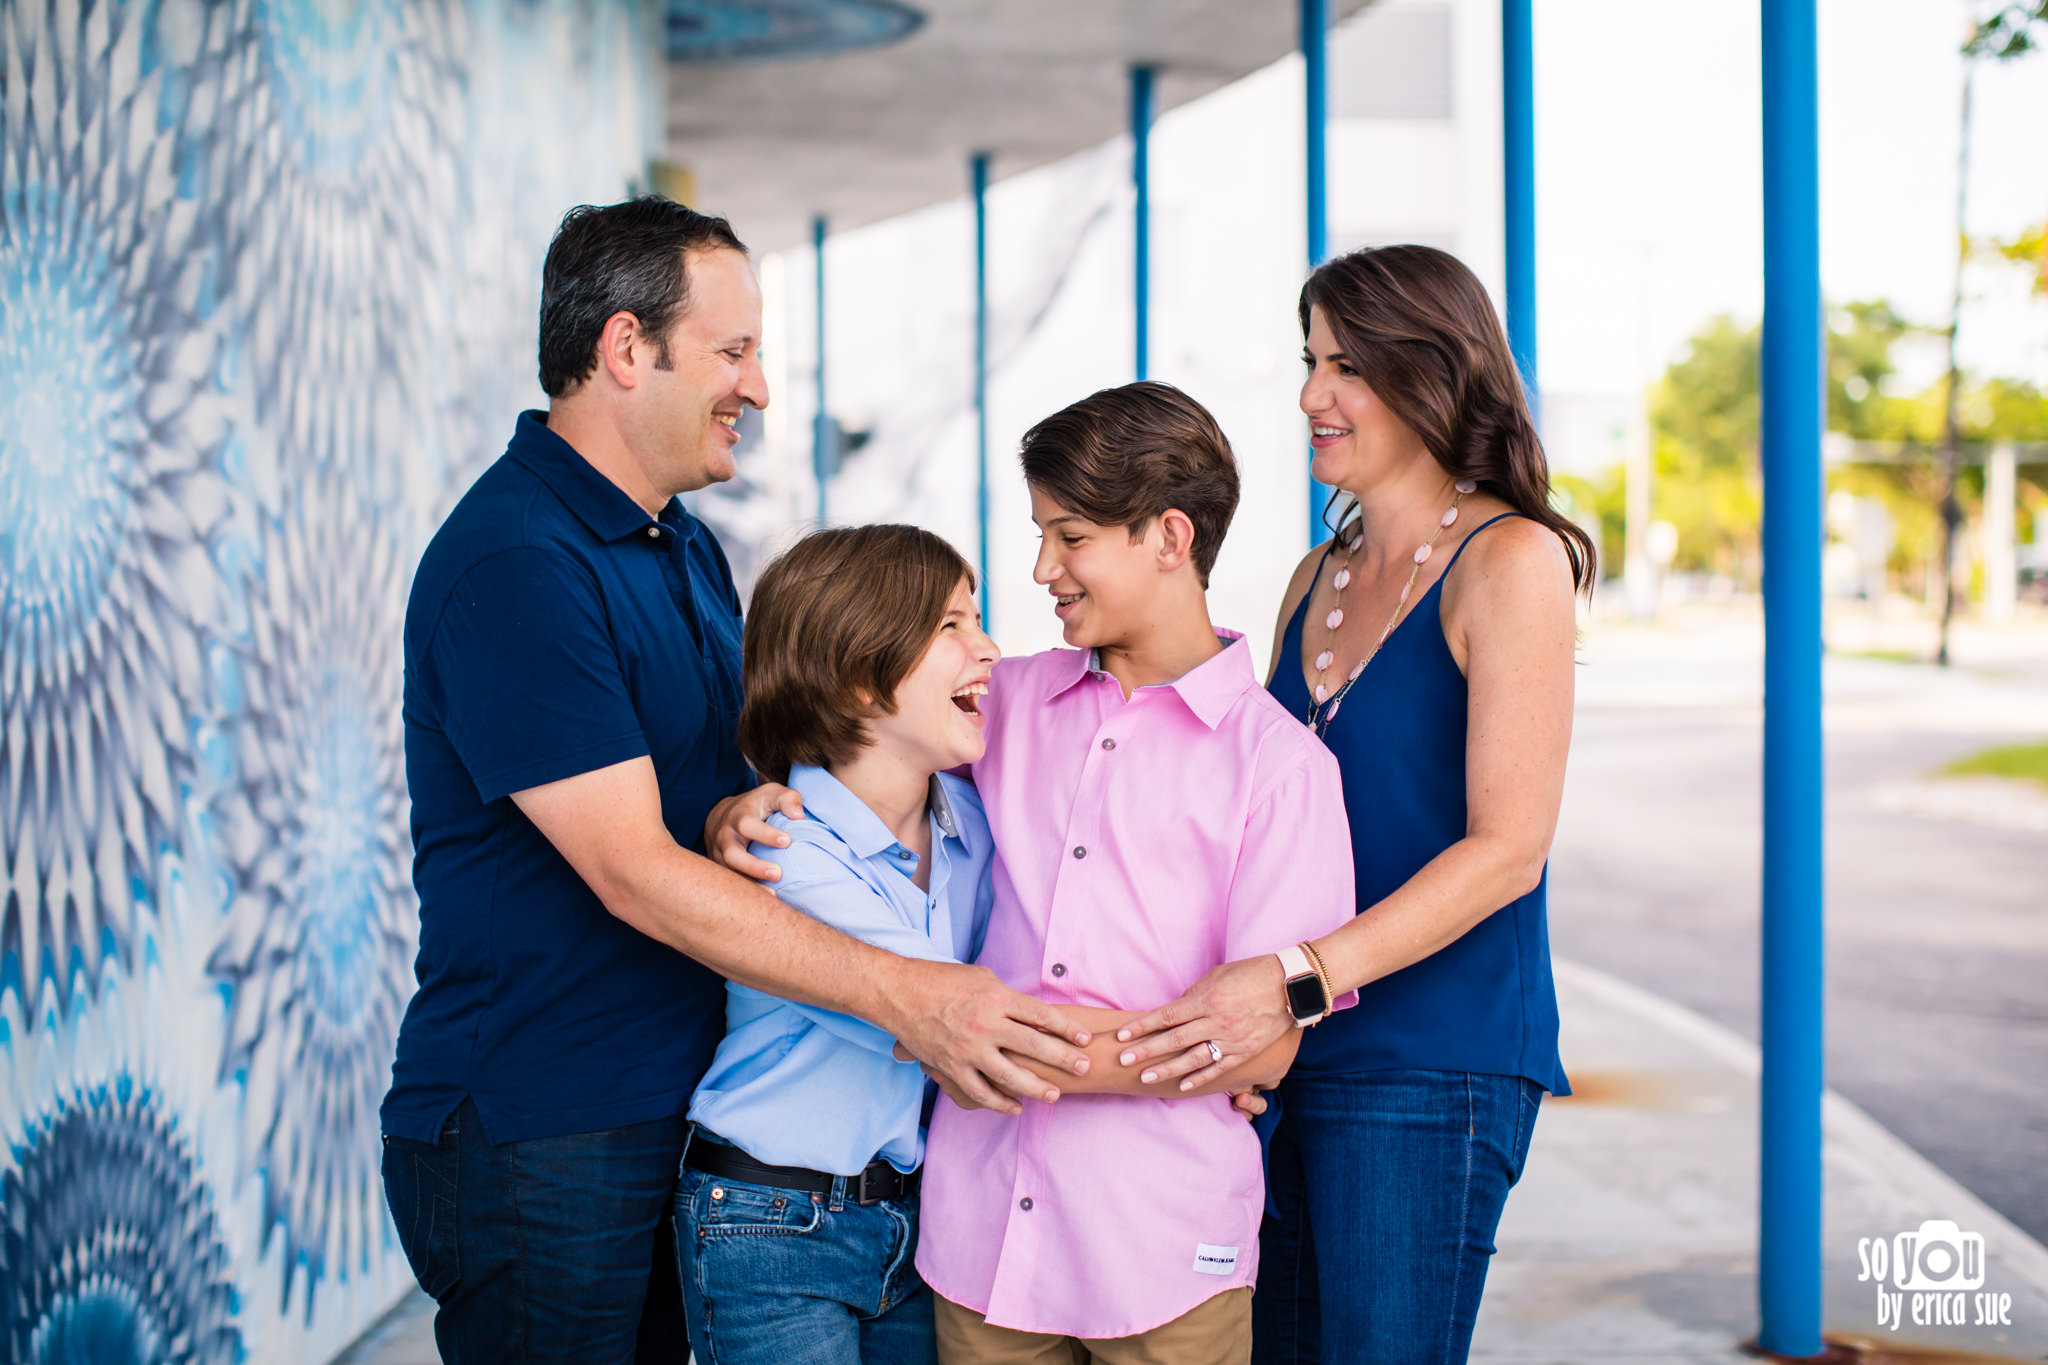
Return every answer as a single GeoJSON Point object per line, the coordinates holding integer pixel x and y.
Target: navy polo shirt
{"type": "Point", "coordinates": [555, 628]}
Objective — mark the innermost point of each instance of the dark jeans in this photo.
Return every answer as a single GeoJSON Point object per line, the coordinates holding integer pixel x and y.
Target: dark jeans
{"type": "Point", "coordinates": [555, 1249]}
{"type": "Point", "coordinates": [783, 1277]}
{"type": "Point", "coordinates": [1388, 1187]}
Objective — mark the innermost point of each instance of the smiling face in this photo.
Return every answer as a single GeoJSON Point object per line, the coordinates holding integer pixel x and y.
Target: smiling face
{"type": "Point", "coordinates": [937, 723]}
{"type": "Point", "coordinates": [1357, 440]}
{"type": "Point", "coordinates": [1105, 582]}
{"type": "Point", "coordinates": [684, 424]}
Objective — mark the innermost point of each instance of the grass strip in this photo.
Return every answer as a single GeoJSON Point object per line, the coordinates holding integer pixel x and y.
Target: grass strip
{"type": "Point", "coordinates": [2025, 761]}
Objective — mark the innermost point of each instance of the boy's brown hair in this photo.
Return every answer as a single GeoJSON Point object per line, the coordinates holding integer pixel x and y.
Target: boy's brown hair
{"type": "Point", "coordinates": [1123, 456]}
{"type": "Point", "coordinates": [838, 620]}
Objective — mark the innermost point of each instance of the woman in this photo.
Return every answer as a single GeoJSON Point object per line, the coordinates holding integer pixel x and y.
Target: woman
{"type": "Point", "coordinates": [1430, 643]}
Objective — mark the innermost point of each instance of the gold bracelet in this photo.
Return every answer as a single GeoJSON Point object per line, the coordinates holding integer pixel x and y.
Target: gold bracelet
{"type": "Point", "coordinates": [1315, 959]}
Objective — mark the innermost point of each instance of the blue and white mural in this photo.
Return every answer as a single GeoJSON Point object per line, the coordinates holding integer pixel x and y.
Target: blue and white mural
{"type": "Point", "coordinates": [269, 272]}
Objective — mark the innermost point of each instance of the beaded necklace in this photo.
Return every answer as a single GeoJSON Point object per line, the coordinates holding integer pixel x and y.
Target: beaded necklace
{"type": "Point", "coordinates": [1318, 718]}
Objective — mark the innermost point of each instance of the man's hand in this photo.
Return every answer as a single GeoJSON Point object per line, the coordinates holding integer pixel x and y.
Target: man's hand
{"type": "Point", "coordinates": [960, 1022]}
{"type": "Point", "coordinates": [739, 821]}
{"type": "Point", "coordinates": [1251, 1103]}
{"type": "Point", "coordinates": [1240, 1006]}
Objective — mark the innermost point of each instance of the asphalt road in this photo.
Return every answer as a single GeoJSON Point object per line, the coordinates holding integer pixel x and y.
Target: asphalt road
{"type": "Point", "coordinates": [1937, 909]}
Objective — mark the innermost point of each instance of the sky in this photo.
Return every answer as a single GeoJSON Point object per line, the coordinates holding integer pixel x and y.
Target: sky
{"type": "Point", "coordinates": [1650, 211]}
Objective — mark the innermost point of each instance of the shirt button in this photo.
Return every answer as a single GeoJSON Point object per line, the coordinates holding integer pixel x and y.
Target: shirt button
{"type": "Point", "coordinates": [1080, 852]}
{"type": "Point", "coordinates": [654, 533]}
{"type": "Point", "coordinates": [1059, 969]}
{"type": "Point", "coordinates": [1109, 744]}
{"type": "Point", "coordinates": [1024, 1204]}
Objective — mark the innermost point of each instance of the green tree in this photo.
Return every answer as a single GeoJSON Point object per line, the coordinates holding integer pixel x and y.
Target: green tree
{"type": "Point", "coordinates": [1703, 425]}
{"type": "Point", "coordinates": [1704, 417]}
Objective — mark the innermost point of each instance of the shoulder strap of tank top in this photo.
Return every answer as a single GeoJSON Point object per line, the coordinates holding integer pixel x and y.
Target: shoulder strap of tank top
{"type": "Point", "coordinates": [1469, 539]}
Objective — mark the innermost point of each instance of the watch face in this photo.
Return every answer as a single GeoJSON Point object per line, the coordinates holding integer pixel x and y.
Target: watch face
{"type": "Point", "coordinates": [1305, 997]}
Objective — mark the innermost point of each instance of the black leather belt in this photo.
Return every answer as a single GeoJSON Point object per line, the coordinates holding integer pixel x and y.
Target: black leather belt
{"type": "Point", "coordinates": [878, 1182]}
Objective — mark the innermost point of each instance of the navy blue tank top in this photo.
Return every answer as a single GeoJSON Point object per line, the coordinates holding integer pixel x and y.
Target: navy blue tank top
{"type": "Point", "coordinates": [1484, 1003]}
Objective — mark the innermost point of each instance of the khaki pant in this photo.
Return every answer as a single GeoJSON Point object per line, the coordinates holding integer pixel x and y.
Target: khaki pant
{"type": "Point", "coordinates": [1217, 1332]}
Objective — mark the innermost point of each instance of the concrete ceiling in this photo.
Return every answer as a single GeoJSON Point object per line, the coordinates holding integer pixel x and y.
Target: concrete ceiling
{"type": "Point", "coordinates": [865, 135]}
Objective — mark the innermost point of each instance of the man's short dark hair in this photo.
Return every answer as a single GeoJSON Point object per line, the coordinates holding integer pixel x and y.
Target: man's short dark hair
{"type": "Point", "coordinates": [618, 258]}
{"type": "Point", "coordinates": [1123, 456]}
{"type": "Point", "coordinates": [837, 622]}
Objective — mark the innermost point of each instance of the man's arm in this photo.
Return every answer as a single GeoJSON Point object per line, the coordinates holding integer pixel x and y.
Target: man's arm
{"type": "Point", "coordinates": [961, 1022]}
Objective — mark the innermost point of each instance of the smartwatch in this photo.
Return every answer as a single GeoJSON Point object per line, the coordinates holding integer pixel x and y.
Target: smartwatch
{"type": "Point", "coordinates": [1307, 998]}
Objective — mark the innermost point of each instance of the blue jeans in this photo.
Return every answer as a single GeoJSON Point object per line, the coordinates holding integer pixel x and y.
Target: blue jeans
{"type": "Point", "coordinates": [783, 1277]}
{"type": "Point", "coordinates": [554, 1249]}
{"type": "Point", "coordinates": [1388, 1186]}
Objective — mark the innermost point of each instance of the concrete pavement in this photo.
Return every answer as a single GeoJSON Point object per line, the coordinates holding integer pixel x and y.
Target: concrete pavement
{"type": "Point", "coordinates": [1632, 1236]}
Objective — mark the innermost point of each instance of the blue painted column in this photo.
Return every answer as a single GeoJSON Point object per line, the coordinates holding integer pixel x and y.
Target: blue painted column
{"type": "Point", "coordinates": [1143, 106]}
{"type": "Point", "coordinates": [977, 173]}
{"type": "Point", "coordinates": [1789, 1240]}
{"type": "Point", "coordinates": [1315, 56]}
{"type": "Point", "coordinates": [1518, 159]}
{"type": "Point", "coordinates": [821, 424]}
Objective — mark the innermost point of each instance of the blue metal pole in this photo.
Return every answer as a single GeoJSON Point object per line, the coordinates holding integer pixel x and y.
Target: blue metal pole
{"type": "Point", "coordinates": [1789, 1238]}
{"type": "Point", "coordinates": [1518, 139]}
{"type": "Point", "coordinates": [821, 433]}
{"type": "Point", "coordinates": [1142, 104]}
{"type": "Point", "coordinates": [1315, 55]}
{"type": "Point", "coordinates": [978, 175]}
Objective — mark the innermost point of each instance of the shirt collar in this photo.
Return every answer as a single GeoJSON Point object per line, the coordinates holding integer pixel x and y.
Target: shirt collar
{"type": "Point", "coordinates": [828, 800]}
{"type": "Point", "coordinates": [597, 502]}
{"type": "Point", "coordinates": [1209, 688]}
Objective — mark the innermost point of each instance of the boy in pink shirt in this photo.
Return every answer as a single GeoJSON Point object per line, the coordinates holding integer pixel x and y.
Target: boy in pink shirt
{"type": "Point", "coordinates": [1156, 814]}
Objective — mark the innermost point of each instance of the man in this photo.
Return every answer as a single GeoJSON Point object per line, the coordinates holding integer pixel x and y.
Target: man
{"type": "Point", "coordinates": [571, 692]}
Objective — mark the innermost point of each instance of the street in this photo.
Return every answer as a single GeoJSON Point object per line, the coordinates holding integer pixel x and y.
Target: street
{"type": "Point", "coordinates": [1937, 889]}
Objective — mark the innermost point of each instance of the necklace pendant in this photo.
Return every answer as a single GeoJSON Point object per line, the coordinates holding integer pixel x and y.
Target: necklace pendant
{"type": "Point", "coordinates": [1323, 660]}
{"type": "Point", "coordinates": [1322, 694]}
{"type": "Point", "coordinates": [1450, 515]}
{"type": "Point", "coordinates": [1422, 554]}
{"type": "Point", "coordinates": [1342, 580]}
{"type": "Point", "coordinates": [1335, 618]}
{"type": "Point", "coordinates": [1465, 485]}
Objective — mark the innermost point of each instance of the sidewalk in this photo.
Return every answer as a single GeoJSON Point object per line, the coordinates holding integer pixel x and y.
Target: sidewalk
{"type": "Point", "coordinates": [1632, 1237]}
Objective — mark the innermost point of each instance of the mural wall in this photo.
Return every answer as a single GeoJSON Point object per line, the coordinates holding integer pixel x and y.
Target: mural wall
{"type": "Point", "coordinates": [269, 273]}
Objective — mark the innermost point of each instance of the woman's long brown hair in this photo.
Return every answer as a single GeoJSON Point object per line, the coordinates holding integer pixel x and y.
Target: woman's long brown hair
{"type": "Point", "coordinates": [1418, 328]}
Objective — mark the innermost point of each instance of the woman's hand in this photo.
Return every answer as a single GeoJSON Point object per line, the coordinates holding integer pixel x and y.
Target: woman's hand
{"type": "Point", "coordinates": [1239, 1006]}
{"type": "Point", "coordinates": [740, 821]}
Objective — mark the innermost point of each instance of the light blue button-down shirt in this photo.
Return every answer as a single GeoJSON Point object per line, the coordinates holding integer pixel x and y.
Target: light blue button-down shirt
{"type": "Point", "coordinates": [794, 1085]}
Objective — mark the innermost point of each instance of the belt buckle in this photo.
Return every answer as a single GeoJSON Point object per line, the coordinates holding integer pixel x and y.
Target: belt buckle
{"type": "Point", "coordinates": [861, 1195]}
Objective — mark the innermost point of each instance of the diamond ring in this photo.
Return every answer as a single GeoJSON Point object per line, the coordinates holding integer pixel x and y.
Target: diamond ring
{"type": "Point", "coordinates": [1215, 1052]}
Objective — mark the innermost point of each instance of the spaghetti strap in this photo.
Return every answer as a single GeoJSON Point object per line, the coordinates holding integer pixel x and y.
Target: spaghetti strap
{"type": "Point", "coordinates": [1466, 541]}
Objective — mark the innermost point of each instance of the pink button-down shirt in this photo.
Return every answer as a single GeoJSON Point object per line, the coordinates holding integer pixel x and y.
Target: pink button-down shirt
{"type": "Point", "coordinates": [1138, 844]}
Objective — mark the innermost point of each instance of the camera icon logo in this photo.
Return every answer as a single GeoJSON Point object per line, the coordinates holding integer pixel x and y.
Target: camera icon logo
{"type": "Point", "coordinates": [1938, 1256]}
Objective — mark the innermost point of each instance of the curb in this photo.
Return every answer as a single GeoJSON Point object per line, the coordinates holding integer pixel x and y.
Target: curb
{"type": "Point", "coordinates": [1849, 1131]}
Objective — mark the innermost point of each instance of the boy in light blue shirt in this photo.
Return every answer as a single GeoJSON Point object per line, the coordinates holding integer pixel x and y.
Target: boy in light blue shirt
{"type": "Point", "coordinates": [796, 1209]}
{"type": "Point", "coordinates": [795, 1085]}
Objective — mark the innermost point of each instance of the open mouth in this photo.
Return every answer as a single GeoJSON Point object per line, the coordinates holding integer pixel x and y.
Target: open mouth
{"type": "Point", "coordinates": [968, 698]}
{"type": "Point", "coordinates": [1061, 601]}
